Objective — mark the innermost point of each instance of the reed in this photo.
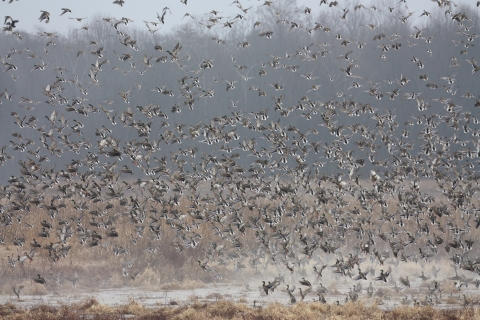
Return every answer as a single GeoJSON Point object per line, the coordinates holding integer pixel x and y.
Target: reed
{"type": "Point", "coordinates": [224, 309]}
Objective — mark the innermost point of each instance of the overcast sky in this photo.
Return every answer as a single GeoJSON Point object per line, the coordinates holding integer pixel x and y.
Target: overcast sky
{"type": "Point", "coordinates": [28, 11]}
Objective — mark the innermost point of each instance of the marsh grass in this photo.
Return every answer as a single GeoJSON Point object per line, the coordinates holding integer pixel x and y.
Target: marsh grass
{"type": "Point", "coordinates": [223, 309]}
{"type": "Point", "coordinates": [169, 268]}
{"type": "Point", "coordinates": [98, 265]}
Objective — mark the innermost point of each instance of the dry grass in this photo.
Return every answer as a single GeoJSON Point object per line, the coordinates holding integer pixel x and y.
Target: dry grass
{"type": "Point", "coordinates": [171, 269]}
{"type": "Point", "coordinates": [222, 309]}
{"type": "Point", "coordinates": [428, 313]}
{"type": "Point", "coordinates": [94, 265]}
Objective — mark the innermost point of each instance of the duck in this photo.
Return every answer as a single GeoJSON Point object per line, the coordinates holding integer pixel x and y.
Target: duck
{"type": "Point", "coordinates": [405, 281]}
{"type": "Point", "coordinates": [305, 282]}
{"type": "Point", "coordinates": [65, 10]}
{"type": "Point", "coordinates": [16, 290]}
{"type": "Point", "coordinates": [44, 16]}
{"type": "Point", "coordinates": [40, 279]}
{"type": "Point", "coordinates": [383, 276]}
{"type": "Point", "coordinates": [175, 51]}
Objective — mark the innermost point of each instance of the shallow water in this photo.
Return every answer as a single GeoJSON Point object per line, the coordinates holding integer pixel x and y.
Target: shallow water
{"type": "Point", "coordinates": [247, 293]}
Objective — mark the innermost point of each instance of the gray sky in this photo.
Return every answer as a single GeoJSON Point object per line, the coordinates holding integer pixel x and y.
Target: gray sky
{"type": "Point", "coordinates": [28, 11]}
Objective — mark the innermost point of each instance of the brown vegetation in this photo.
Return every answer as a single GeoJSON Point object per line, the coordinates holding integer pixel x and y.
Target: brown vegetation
{"type": "Point", "coordinates": [222, 309]}
{"type": "Point", "coordinates": [167, 268]}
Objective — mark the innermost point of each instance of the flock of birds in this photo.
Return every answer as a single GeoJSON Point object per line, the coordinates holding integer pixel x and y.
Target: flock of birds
{"type": "Point", "coordinates": [283, 211]}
